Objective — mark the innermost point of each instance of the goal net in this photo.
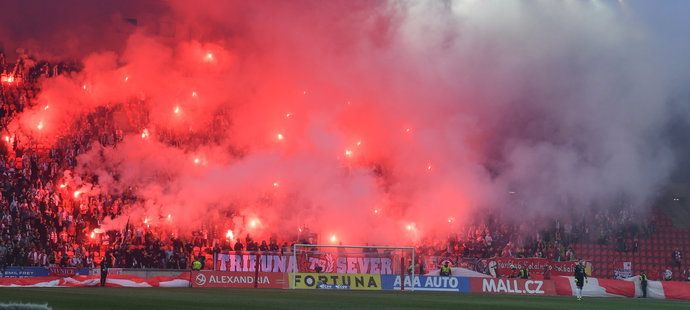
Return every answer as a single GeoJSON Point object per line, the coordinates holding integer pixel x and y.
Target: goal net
{"type": "Point", "coordinates": [322, 266]}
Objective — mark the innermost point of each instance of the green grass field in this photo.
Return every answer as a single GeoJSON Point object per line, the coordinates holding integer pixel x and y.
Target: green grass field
{"type": "Point", "coordinates": [185, 298]}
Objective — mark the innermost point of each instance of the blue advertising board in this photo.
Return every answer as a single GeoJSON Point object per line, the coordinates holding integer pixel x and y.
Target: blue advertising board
{"type": "Point", "coordinates": [427, 283]}
{"type": "Point", "coordinates": [26, 272]}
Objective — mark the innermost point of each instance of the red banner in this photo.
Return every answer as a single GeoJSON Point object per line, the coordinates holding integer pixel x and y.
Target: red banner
{"type": "Point", "coordinates": [181, 280]}
{"type": "Point", "coordinates": [563, 268]}
{"type": "Point", "coordinates": [512, 286]}
{"type": "Point", "coordinates": [676, 290]}
{"type": "Point", "coordinates": [618, 287]}
{"type": "Point", "coordinates": [306, 262]}
{"type": "Point", "coordinates": [536, 266]}
{"type": "Point", "coordinates": [206, 278]}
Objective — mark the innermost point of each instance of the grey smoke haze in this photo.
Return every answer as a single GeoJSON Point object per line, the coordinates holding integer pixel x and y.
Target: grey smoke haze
{"type": "Point", "coordinates": [567, 103]}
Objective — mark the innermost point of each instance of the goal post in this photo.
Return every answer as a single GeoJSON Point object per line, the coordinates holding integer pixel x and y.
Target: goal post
{"type": "Point", "coordinates": [336, 262]}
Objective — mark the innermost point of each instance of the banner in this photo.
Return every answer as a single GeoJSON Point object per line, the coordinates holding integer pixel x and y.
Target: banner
{"type": "Point", "coordinates": [534, 265]}
{"type": "Point", "coordinates": [595, 287]}
{"type": "Point", "coordinates": [427, 283]}
{"type": "Point", "coordinates": [181, 280]}
{"type": "Point", "coordinates": [23, 272]}
{"type": "Point", "coordinates": [335, 280]}
{"type": "Point", "coordinates": [675, 290]}
{"type": "Point", "coordinates": [248, 263]}
{"type": "Point", "coordinates": [328, 263]}
{"type": "Point", "coordinates": [512, 286]}
{"type": "Point", "coordinates": [207, 278]}
{"type": "Point", "coordinates": [622, 270]}
{"type": "Point", "coordinates": [67, 271]}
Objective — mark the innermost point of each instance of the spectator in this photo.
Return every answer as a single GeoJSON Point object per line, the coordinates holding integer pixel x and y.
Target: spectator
{"type": "Point", "coordinates": [668, 274]}
{"type": "Point", "coordinates": [238, 246]}
{"type": "Point", "coordinates": [677, 258]}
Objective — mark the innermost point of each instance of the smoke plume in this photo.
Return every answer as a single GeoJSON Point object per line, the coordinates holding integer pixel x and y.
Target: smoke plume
{"type": "Point", "coordinates": [368, 121]}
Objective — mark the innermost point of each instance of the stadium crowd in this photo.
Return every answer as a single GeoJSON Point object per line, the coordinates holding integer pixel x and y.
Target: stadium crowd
{"type": "Point", "coordinates": [44, 222]}
{"type": "Point", "coordinates": [492, 237]}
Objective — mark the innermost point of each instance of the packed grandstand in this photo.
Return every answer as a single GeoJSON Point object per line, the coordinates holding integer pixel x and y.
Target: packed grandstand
{"type": "Point", "coordinates": [46, 223]}
{"type": "Point", "coordinates": [488, 147]}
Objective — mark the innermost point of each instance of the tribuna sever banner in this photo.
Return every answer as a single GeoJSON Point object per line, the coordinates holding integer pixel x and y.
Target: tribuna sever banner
{"type": "Point", "coordinates": [329, 263]}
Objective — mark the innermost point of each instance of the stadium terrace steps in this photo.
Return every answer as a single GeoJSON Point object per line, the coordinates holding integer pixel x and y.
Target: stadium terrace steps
{"type": "Point", "coordinates": [653, 255]}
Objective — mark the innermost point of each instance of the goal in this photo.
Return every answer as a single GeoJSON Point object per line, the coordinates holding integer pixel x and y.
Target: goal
{"type": "Point", "coordinates": [351, 266]}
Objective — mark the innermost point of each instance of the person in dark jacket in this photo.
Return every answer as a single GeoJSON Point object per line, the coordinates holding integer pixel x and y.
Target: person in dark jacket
{"type": "Point", "coordinates": [524, 273]}
{"type": "Point", "coordinates": [580, 278]}
{"type": "Point", "coordinates": [104, 271]}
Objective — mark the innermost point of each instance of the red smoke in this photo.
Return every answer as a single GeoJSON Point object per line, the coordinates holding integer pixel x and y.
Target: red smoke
{"type": "Point", "coordinates": [364, 121]}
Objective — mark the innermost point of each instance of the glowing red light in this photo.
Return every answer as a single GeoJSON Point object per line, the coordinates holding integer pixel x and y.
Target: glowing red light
{"type": "Point", "coordinates": [253, 223]}
{"type": "Point", "coordinates": [7, 78]}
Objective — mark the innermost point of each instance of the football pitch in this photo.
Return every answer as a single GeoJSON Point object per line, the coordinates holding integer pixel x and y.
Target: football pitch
{"type": "Point", "coordinates": [185, 298]}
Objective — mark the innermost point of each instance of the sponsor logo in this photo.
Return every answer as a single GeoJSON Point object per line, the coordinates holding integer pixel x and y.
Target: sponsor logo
{"type": "Point", "coordinates": [63, 271]}
{"type": "Point", "coordinates": [333, 287]}
{"type": "Point", "coordinates": [200, 279]}
{"type": "Point", "coordinates": [237, 279]}
{"type": "Point", "coordinates": [26, 272]}
{"type": "Point", "coordinates": [427, 283]}
{"type": "Point", "coordinates": [351, 281]}
{"type": "Point", "coordinates": [513, 286]}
